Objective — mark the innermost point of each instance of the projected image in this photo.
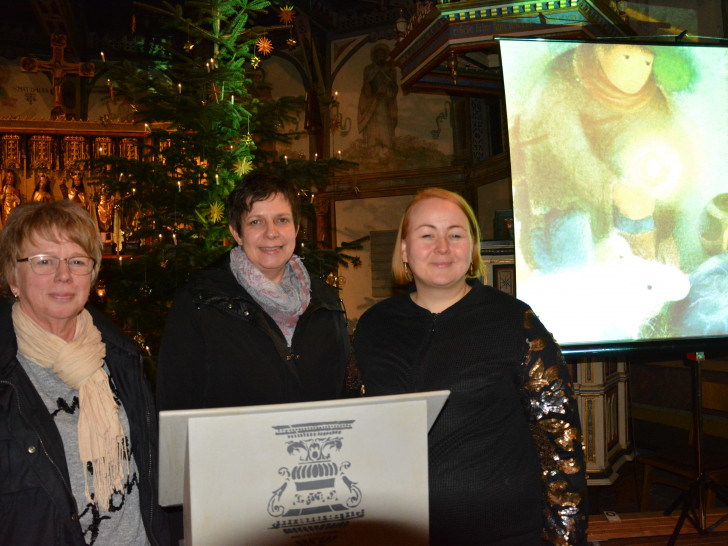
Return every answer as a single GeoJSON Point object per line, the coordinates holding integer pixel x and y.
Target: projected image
{"type": "Point", "coordinates": [619, 161]}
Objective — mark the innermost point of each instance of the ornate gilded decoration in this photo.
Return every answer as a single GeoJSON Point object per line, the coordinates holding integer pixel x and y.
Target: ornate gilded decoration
{"type": "Point", "coordinates": [41, 152]}
{"type": "Point", "coordinates": [129, 149]}
{"type": "Point", "coordinates": [11, 152]}
{"type": "Point", "coordinates": [75, 152]}
{"type": "Point", "coordinates": [103, 146]}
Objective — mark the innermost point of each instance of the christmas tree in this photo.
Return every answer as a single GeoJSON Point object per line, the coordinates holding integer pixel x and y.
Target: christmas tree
{"type": "Point", "coordinates": [207, 127]}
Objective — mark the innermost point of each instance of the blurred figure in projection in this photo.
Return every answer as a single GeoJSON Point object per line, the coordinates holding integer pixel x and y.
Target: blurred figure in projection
{"type": "Point", "coordinates": [596, 151]}
{"type": "Point", "coordinates": [506, 465]}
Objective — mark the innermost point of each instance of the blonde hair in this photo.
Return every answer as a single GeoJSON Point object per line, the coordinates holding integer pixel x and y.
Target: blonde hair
{"type": "Point", "coordinates": [53, 221]}
{"type": "Point", "coordinates": [401, 274]}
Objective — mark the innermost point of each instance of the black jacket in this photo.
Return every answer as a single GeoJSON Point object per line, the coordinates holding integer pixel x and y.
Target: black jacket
{"type": "Point", "coordinates": [505, 456]}
{"type": "Point", "coordinates": [36, 502]}
{"type": "Point", "coordinates": [221, 349]}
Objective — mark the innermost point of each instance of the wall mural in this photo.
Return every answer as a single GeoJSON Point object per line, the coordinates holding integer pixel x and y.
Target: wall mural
{"type": "Point", "coordinates": [371, 122]}
{"type": "Point", "coordinates": [393, 132]}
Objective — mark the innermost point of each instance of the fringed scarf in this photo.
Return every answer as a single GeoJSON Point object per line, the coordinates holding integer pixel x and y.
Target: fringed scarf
{"type": "Point", "coordinates": [284, 301]}
{"type": "Point", "coordinates": [79, 364]}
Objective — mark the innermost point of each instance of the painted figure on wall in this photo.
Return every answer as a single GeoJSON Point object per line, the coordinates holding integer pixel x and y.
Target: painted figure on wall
{"type": "Point", "coordinates": [10, 194]}
{"type": "Point", "coordinates": [42, 192]}
{"type": "Point", "coordinates": [377, 115]}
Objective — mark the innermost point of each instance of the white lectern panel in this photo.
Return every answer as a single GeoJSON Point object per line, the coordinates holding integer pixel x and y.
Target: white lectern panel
{"type": "Point", "coordinates": [173, 431]}
{"type": "Point", "coordinates": [342, 475]}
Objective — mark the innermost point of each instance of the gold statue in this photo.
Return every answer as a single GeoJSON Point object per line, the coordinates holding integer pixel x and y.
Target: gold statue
{"type": "Point", "coordinates": [77, 192]}
{"type": "Point", "coordinates": [10, 194]}
{"type": "Point", "coordinates": [105, 209]}
{"type": "Point", "coordinates": [42, 191]}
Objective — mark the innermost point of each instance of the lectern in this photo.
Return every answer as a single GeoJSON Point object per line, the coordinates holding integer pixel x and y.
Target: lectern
{"type": "Point", "coordinates": [333, 472]}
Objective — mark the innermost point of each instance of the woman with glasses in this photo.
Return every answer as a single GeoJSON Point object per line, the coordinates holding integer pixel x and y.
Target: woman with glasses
{"type": "Point", "coordinates": [77, 422]}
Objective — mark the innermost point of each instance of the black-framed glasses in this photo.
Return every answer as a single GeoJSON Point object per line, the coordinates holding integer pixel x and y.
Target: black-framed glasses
{"type": "Point", "coordinates": [42, 264]}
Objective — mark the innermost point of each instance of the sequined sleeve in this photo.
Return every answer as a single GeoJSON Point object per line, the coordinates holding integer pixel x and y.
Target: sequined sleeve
{"type": "Point", "coordinates": [554, 420]}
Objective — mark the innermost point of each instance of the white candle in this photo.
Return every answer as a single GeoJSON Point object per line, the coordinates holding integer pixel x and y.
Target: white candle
{"type": "Point", "coordinates": [286, 158]}
{"type": "Point", "coordinates": [339, 155]}
{"type": "Point", "coordinates": [179, 87]}
{"type": "Point", "coordinates": [102, 57]}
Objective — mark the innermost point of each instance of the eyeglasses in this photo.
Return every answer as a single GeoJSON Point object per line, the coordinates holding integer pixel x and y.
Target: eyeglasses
{"type": "Point", "coordinates": [42, 264]}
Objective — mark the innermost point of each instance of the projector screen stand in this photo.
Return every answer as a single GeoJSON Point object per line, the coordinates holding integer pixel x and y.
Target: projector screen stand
{"type": "Point", "coordinates": [693, 500]}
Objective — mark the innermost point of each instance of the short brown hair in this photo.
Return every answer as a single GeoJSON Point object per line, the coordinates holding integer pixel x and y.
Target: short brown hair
{"type": "Point", "coordinates": [53, 221]}
{"type": "Point", "coordinates": [401, 274]}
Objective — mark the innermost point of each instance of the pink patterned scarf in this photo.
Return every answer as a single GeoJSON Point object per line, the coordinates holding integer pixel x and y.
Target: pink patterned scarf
{"type": "Point", "coordinates": [284, 301]}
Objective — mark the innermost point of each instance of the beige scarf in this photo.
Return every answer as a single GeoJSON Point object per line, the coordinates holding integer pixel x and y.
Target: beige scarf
{"type": "Point", "coordinates": [79, 364]}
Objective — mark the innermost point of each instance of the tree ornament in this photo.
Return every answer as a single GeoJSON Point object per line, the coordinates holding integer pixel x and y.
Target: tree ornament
{"type": "Point", "coordinates": [217, 211]}
{"type": "Point", "coordinates": [255, 61]}
{"type": "Point", "coordinates": [286, 15]}
{"type": "Point", "coordinates": [264, 46]}
{"type": "Point", "coordinates": [243, 166]}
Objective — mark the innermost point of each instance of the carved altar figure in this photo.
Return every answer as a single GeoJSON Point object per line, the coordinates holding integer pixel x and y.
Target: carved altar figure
{"type": "Point", "coordinates": [77, 192]}
{"type": "Point", "coordinates": [10, 194]}
{"type": "Point", "coordinates": [42, 191]}
{"type": "Point", "coordinates": [105, 209]}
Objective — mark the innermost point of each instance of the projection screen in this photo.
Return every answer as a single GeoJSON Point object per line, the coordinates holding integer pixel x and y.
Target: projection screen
{"type": "Point", "coordinates": [619, 159]}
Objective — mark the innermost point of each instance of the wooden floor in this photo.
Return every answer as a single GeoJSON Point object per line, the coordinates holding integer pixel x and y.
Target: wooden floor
{"type": "Point", "coordinates": [654, 528]}
{"type": "Point", "coordinates": [645, 528]}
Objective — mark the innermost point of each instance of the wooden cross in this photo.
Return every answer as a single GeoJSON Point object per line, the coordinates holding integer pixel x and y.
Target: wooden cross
{"type": "Point", "coordinates": [58, 69]}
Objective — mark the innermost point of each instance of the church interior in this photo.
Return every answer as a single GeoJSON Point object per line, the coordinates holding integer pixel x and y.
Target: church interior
{"type": "Point", "coordinates": [444, 122]}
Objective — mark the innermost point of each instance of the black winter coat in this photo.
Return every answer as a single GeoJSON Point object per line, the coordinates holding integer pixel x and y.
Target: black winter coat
{"type": "Point", "coordinates": [36, 503]}
{"type": "Point", "coordinates": [221, 349]}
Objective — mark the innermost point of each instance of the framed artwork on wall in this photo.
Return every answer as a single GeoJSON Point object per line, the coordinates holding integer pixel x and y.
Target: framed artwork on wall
{"type": "Point", "coordinates": [503, 225]}
{"type": "Point", "coordinates": [504, 278]}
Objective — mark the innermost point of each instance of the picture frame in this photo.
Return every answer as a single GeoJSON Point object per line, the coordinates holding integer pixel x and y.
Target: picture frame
{"type": "Point", "coordinates": [503, 225]}
{"type": "Point", "coordinates": [504, 278]}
